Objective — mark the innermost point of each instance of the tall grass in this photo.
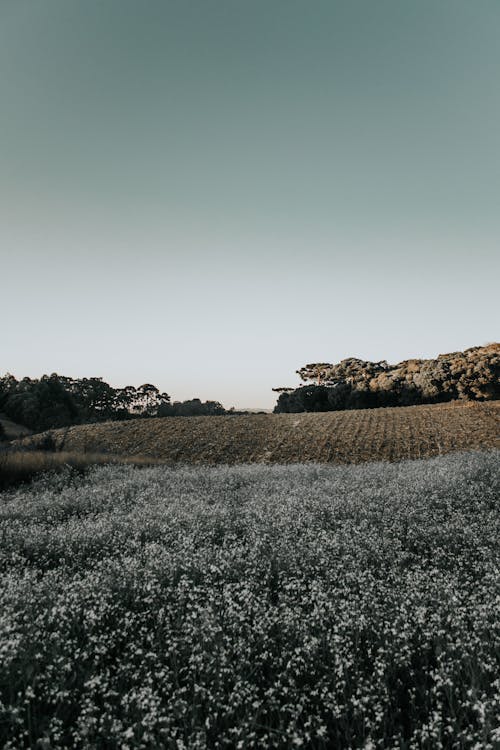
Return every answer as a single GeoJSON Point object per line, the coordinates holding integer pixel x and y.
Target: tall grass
{"type": "Point", "coordinates": [253, 607]}
{"type": "Point", "coordinates": [17, 467]}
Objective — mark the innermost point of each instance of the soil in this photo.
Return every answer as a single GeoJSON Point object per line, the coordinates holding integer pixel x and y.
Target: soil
{"type": "Point", "coordinates": [391, 434]}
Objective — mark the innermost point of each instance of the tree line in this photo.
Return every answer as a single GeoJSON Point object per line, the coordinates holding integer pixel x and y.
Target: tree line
{"type": "Point", "coordinates": [54, 401]}
{"type": "Point", "coordinates": [472, 375]}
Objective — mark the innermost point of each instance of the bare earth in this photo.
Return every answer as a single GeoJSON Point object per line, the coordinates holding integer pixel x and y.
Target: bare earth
{"type": "Point", "coordinates": [389, 434]}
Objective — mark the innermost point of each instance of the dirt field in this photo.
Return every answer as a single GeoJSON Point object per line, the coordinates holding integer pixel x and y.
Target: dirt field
{"type": "Point", "coordinates": [340, 437]}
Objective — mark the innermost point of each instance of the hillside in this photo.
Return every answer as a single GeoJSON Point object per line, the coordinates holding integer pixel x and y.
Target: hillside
{"type": "Point", "coordinates": [342, 437]}
{"type": "Point", "coordinates": [11, 429]}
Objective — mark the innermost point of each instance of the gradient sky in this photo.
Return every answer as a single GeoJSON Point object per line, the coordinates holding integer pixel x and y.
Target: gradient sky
{"type": "Point", "coordinates": [208, 194]}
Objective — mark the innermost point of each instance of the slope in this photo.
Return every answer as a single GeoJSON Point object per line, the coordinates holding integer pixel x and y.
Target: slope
{"type": "Point", "coordinates": [341, 437]}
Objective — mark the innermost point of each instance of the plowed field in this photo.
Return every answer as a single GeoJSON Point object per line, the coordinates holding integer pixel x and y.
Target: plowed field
{"type": "Point", "coordinates": [340, 437]}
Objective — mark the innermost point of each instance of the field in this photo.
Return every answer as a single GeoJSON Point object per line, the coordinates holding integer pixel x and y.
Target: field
{"type": "Point", "coordinates": [253, 606]}
{"type": "Point", "coordinates": [340, 437]}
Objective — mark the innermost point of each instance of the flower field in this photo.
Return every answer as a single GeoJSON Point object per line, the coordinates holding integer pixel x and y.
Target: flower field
{"type": "Point", "coordinates": [253, 606]}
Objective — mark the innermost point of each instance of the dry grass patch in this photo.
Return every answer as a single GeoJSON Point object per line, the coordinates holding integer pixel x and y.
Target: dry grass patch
{"type": "Point", "coordinates": [20, 466]}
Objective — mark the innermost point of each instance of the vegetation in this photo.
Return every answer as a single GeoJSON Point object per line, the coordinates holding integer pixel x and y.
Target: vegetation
{"type": "Point", "coordinates": [18, 466]}
{"type": "Point", "coordinates": [59, 401]}
{"type": "Point", "coordinates": [342, 436]}
{"type": "Point", "coordinates": [354, 384]}
{"type": "Point", "coordinates": [192, 408]}
{"type": "Point", "coordinates": [10, 430]}
{"type": "Point", "coordinates": [251, 607]}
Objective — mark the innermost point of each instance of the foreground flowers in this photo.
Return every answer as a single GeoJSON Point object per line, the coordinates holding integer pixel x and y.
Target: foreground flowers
{"type": "Point", "coordinates": [253, 606]}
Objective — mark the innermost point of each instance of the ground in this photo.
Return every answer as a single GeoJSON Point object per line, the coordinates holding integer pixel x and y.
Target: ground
{"type": "Point", "coordinates": [253, 606]}
{"type": "Point", "coordinates": [339, 437]}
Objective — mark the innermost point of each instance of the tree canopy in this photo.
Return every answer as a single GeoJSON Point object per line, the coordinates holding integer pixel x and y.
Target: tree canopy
{"type": "Point", "coordinates": [58, 401]}
{"type": "Point", "coordinates": [54, 401]}
{"type": "Point", "coordinates": [473, 374]}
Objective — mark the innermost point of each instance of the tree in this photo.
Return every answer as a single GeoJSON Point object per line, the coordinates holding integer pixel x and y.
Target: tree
{"type": "Point", "coordinates": [59, 401]}
{"type": "Point", "coordinates": [318, 372]}
{"type": "Point", "coordinates": [192, 408]}
{"type": "Point", "coordinates": [96, 399]}
{"type": "Point", "coordinates": [149, 400]}
{"type": "Point", "coordinates": [356, 384]}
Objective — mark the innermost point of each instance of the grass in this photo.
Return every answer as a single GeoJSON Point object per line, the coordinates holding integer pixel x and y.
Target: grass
{"type": "Point", "coordinates": [253, 606]}
{"type": "Point", "coordinates": [18, 466]}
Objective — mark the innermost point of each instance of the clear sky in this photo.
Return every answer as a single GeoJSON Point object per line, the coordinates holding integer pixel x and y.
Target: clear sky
{"type": "Point", "coordinates": [209, 194]}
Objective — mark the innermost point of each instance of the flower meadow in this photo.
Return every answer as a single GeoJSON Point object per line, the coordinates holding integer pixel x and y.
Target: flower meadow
{"type": "Point", "coordinates": [253, 606]}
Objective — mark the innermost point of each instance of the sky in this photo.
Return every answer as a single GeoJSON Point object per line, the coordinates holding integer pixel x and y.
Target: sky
{"type": "Point", "coordinates": [209, 194]}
